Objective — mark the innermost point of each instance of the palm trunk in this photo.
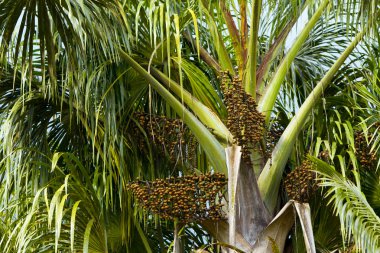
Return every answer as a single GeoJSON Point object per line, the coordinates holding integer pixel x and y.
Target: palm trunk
{"type": "Point", "coordinates": [177, 247]}
{"type": "Point", "coordinates": [233, 156]}
{"type": "Point", "coordinates": [247, 214]}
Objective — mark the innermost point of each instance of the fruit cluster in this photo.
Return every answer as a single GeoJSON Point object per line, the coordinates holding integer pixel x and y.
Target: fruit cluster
{"type": "Point", "coordinates": [366, 157]}
{"type": "Point", "coordinates": [188, 198]}
{"type": "Point", "coordinates": [169, 136]}
{"type": "Point", "coordinates": [300, 184]}
{"type": "Point", "coordinates": [324, 155]}
{"type": "Point", "coordinates": [244, 121]}
{"type": "Point", "coordinates": [272, 137]}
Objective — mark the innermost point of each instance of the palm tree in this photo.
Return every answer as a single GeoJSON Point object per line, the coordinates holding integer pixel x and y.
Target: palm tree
{"type": "Point", "coordinates": [91, 89]}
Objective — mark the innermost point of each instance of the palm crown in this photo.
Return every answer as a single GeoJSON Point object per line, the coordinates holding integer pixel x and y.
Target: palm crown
{"type": "Point", "coordinates": [96, 95]}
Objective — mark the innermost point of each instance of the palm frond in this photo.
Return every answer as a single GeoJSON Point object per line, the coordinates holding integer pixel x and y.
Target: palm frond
{"type": "Point", "coordinates": [358, 219]}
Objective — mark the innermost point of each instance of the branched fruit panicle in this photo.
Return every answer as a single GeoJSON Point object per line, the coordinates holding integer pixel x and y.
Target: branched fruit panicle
{"type": "Point", "coordinates": [367, 158]}
{"type": "Point", "coordinates": [300, 184]}
{"type": "Point", "coordinates": [188, 198]}
{"type": "Point", "coordinates": [170, 137]}
{"type": "Point", "coordinates": [244, 121]}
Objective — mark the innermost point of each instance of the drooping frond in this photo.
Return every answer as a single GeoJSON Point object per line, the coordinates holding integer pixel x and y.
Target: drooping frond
{"type": "Point", "coordinates": [358, 219]}
{"type": "Point", "coordinates": [34, 34]}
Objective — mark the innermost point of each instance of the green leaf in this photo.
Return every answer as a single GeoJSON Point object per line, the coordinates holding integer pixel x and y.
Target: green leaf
{"type": "Point", "coordinates": [58, 220]}
{"type": "Point", "coordinates": [268, 99]}
{"type": "Point", "coordinates": [54, 203]}
{"type": "Point", "coordinates": [358, 219]}
{"type": "Point", "coordinates": [212, 147]}
{"type": "Point", "coordinates": [204, 113]}
{"type": "Point", "coordinates": [270, 178]}
{"type": "Point", "coordinates": [87, 233]}
{"type": "Point", "coordinates": [72, 224]}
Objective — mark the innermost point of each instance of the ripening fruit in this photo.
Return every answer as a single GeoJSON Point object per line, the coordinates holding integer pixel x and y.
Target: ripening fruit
{"type": "Point", "coordinates": [184, 198]}
{"type": "Point", "coordinates": [300, 184]}
{"type": "Point", "coordinates": [244, 121]}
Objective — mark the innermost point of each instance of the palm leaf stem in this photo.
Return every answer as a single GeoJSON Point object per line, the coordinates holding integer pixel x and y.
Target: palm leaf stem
{"type": "Point", "coordinates": [234, 35]}
{"type": "Point", "coordinates": [205, 114]}
{"type": "Point", "coordinates": [268, 99]}
{"type": "Point", "coordinates": [209, 143]}
{"type": "Point", "coordinates": [217, 39]}
{"type": "Point", "coordinates": [204, 55]}
{"type": "Point", "coordinates": [243, 27]}
{"type": "Point", "coordinates": [270, 178]}
{"type": "Point", "coordinates": [249, 79]}
{"type": "Point", "coordinates": [272, 53]}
